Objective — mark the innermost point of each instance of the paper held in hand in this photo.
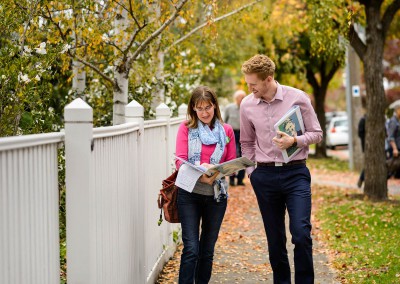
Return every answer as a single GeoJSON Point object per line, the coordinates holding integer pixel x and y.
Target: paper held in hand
{"type": "Point", "coordinates": [292, 124]}
{"type": "Point", "coordinates": [189, 174]}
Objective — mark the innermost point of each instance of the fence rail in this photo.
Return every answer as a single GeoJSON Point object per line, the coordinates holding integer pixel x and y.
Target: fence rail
{"type": "Point", "coordinates": [113, 175]}
{"type": "Point", "coordinates": [29, 234]}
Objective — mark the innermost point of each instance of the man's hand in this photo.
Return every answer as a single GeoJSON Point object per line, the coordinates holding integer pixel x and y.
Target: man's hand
{"type": "Point", "coordinates": [283, 140]}
{"type": "Point", "coordinates": [209, 180]}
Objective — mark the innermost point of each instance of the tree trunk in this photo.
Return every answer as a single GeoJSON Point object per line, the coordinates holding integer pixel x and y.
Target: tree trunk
{"type": "Point", "coordinates": [159, 94]}
{"type": "Point", "coordinates": [326, 73]}
{"type": "Point", "coordinates": [120, 95]}
{"type": "Point", "coordinates": [79, 79]}
{"type": "Point", "coordinates": [320, 95]}
{"type": "Point", "coordinates": [121, 73]}
{"type": "Point", "coordinates": [375, 169]}
{"type": "Point", "coordinates": [78, 71]}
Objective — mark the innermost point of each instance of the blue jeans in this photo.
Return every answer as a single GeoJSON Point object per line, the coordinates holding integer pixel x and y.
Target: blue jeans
{"type": "Point", "coordinates": [276, 189]}
{"type": "Point", "coordinates": [198, 247]}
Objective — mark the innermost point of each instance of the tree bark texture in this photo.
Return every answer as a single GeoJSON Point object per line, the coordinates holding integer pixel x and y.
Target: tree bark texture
{"type": "Point", "coordinates": [375, 166]}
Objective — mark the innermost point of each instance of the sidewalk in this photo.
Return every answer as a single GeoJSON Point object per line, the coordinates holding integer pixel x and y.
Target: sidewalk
{"type": "Point", "coordinates": [348, 180]}
{"type": "Point", "coordinates": [241, 254]}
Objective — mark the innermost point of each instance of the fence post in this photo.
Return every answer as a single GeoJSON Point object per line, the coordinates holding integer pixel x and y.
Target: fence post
{"type": "Point", "coordinates": [182, 110]}
{"type": "Point", "coordinates": [164, 113]}
{"type": "Point", "coordinates": [134, 112]}
{"type": "Point", "coordinates": [78, 117]}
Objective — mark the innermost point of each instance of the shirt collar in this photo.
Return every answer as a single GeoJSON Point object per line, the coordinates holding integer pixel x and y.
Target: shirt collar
{"type": "Point", "coordinates": [278, 95]}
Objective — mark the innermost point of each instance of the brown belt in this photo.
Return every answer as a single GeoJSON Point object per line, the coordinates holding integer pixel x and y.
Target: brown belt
{"type": "Point", "coordinates": [273, 164]}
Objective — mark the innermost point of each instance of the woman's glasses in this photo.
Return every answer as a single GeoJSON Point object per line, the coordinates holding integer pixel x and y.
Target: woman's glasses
{"type": "Point", "coordinates": [206, 109]}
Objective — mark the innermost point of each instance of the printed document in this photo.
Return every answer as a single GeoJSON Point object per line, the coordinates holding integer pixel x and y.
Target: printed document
{"type": "Point", "coordinates": [189, 174]}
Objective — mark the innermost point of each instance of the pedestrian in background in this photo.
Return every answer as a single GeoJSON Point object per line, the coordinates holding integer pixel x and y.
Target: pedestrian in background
{"type": "Point", "coordinates": [232, 117]}
{"type": "Point", "coordinates": [277, 185]}
{"type": "Point", "coordinates": [202, 140]}
{"type": "Point", "coordinates": [393, 132]}
{"type": "Point", "coordinates": [361, 135]}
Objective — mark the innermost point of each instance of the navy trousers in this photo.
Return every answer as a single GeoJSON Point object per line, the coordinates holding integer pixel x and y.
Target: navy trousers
{"type": "Point", "coordinates": [198, 247]}
{"type": "Point", "coordinates": [240, 174]}
{"type": "Point", "coordinates": [278, 189]}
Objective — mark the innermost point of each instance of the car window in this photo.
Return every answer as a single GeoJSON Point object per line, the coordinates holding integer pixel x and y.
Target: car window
{"type": "Point", "coordinates": [340, 123]}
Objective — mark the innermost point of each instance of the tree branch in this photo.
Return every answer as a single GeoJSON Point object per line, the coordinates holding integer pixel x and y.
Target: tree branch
{"type": "Point", "coordinates": [50, 18]}
{"type": "Point", "coordinates": [33, 7]}
{"type": "Point", "coordinates": [126, 52]}
{"type": "Point", "coordinates": [147, 41]}
{"type": "Point", "coordinates": [389, 14]}
{"type": "Point", "coordinates": [206, 23]}
{"type": "Point", "coordinates": [332, 71]}
{"type": "Point", "coordinates": [130, 11]}
{"type": "Point", "coordinates": [311, 78]}
{"type": "Point", "coordinates": [93, 67]}
{"type": "Point", "coordinates": [357, 43]}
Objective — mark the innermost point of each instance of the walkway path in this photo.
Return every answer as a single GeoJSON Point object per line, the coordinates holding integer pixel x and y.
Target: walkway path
{"type": "Point", "coordinates": [348, 179]}
{"type": "Point", "coordinates": [241, 254]}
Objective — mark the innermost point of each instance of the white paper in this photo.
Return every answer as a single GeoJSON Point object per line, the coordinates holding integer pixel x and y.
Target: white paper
{"type": "Point", "coordinates": [189, 174]}
{"type": "Point", "coordinates": [187, 177]}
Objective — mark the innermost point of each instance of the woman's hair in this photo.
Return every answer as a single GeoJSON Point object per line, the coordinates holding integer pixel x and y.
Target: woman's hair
{"type": "Point", "coordinates": [259, 64]}
{"type": "Point", "coordinates": [199, 95]}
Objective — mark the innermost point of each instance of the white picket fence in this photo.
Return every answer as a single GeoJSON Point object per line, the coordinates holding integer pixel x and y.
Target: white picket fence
{"type": "Point", "coordinates": [113, 176]}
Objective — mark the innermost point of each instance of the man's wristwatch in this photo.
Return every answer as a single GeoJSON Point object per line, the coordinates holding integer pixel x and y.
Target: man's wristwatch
{"type": "Point", "coordinates": [294, 142]}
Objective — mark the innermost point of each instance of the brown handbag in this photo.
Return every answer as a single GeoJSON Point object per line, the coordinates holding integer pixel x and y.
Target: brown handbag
{"type": "Point", "coordinates": [167, 200]}
{"type": "Point", "coordinates": [393, 164]}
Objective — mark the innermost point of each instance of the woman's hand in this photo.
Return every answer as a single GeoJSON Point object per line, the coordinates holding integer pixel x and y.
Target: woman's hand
{"type": "Point", "coordinates": [206, 179]}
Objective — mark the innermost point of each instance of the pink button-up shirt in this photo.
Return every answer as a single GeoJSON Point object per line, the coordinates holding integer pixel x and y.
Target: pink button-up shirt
{"type": "Point", "coordinates": [257, 120]}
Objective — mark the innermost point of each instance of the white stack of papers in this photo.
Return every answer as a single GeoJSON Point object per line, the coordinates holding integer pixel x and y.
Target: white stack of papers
{"type": "Point", "coordinates": [189, 174]}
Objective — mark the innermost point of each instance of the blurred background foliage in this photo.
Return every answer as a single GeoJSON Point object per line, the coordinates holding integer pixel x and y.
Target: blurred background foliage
{"type": "Point", "coordinates": [38, 42]}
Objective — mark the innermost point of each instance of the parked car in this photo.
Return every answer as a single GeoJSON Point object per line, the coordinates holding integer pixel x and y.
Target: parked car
{"type": "Point", "coordinates": [331, 114]}
{"type": "Point", "coordinates": [337, 132]}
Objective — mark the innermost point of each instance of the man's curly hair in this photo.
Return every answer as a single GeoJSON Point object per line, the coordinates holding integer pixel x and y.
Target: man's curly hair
{"type": "Point", "coordinates": [259, 64]}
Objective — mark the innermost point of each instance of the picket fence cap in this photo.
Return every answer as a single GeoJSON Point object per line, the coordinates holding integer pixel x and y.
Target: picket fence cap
{"type": "Point", "coordinates": [134, 109]}
{"type": "Point", "coordinates": [78, 111]}
{"type": "Point", "coordinates": [182, 109]}
{"type": "Point", "coordinates": [163, 110]}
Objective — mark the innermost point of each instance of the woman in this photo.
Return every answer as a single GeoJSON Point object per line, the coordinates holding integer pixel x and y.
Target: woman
{"type": "Point", "coordinates": [202, 139]}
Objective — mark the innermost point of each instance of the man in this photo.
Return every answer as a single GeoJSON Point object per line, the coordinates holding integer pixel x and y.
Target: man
{"type": "Point", "coordinates": [278, 185]}
{"type": "Point", "coordinates": [232, 117]}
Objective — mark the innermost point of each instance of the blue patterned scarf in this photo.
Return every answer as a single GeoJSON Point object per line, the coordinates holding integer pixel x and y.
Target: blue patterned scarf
{"type": "Point", "coordinates": [204, 135]}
